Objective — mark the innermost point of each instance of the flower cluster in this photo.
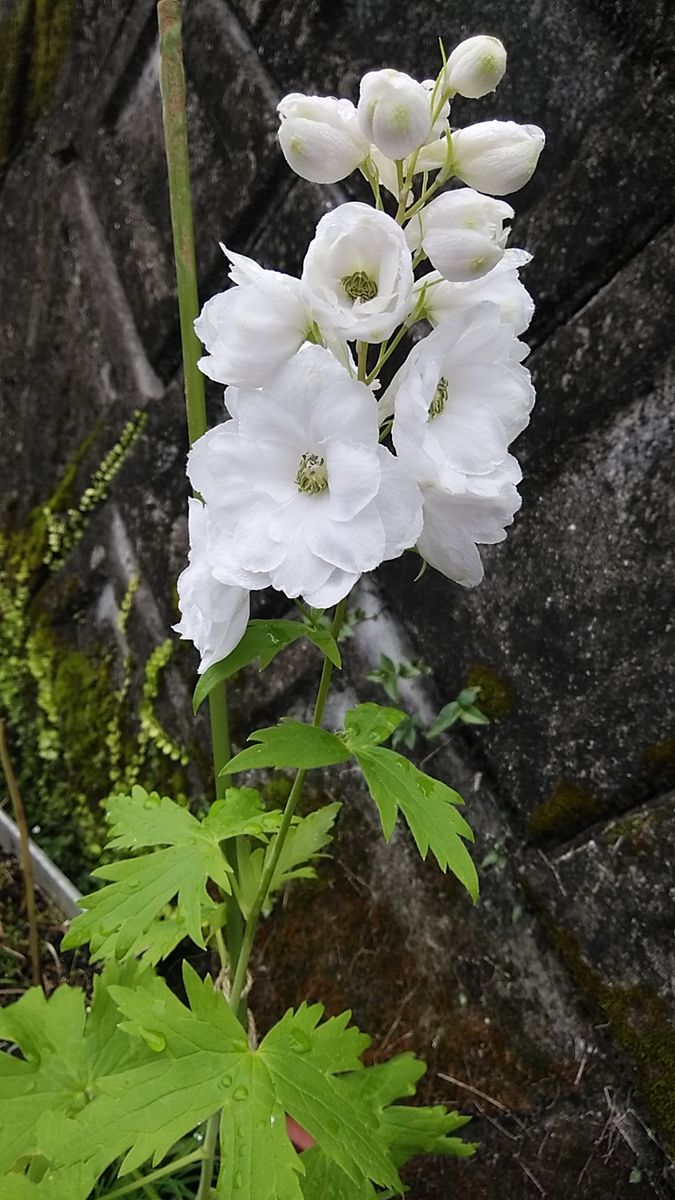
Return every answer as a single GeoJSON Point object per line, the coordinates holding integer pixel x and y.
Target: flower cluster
{"type": "Point", "coordinates": [299, 490]}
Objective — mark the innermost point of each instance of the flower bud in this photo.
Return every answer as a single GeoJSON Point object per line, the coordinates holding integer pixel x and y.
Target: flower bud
{"type": "Point", "coordinates": [497, 157]}
{"type": "Point", "coordinates": [462, 233]}
{"type": "Point", "coordinates": [394, 112]}
{"type": "Point", "coordinates": [320, 137]}
{"type": "Point", "coordinates": [475, 67]}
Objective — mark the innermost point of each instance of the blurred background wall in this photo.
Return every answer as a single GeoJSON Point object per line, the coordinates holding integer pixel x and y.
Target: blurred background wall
{"type": "Point", "coordinates": [547, 1011]}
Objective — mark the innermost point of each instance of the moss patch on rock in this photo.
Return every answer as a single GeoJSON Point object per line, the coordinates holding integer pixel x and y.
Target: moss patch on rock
{"type": "Point", "coordinates": [495, 696]}
{"type": "Point", "coordinates": [639, 1019]}
{"type": "Point", "coordinates": [77, 732]}
{"type": "Point", "coordinates": [569, 809]}
{"type": "Point", "coordinates": [34, 42]}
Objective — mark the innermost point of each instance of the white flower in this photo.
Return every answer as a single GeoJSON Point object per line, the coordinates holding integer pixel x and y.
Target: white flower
{"type": "Point", "coordinates": [394, 112]}
{"type": "Point", "coordinates": [498, 157]}
{"type": "Point", "coordinates": [306, 498]}
{"type": "Point", "coordinates": [252, 328]}
{"type": "Point", "coordinates": [320, 137]}
{"type": "Point", "coordinates": [454, 521]}
{"type": "Point", "coordinates": [501, 286]}
{"type": "Point", "coordinates": [475, 67]}
{"type": "Point", "coordinates": [213, 615]}
{"type": "Point", "coordinates": [460, 398]}
{"type": "Point", "coordinates": [462, 232]}
{"type": "Point", "coordinates": [357, 277]}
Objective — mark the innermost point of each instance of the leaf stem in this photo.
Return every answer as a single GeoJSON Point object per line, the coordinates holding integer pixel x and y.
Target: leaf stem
{"type": "Point", "coordinates": [26, 864]}
{"type": "Point", "coordinates": [160, 1173]}
{"type": "Point", "coordinates": [289, 811]}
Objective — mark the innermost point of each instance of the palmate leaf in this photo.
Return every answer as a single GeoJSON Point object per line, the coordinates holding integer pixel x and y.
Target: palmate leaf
{"type": "Point", "coordinates": [67, 1051]}
{"type": "Point", "coordinates": [263, 640]}
{"type": "Point", "coordinates": [407, 1130]}
{"type": "Point", "coordinates": [118, 918]}
{"type": "Point", "coordinates": [429, 809]}
{"type": "Point", "coordinates": [346, 1129]}
{"type": "Point", "coordinates": [306, 838]}
{"type": "Point", "coordinates": [257, 1158]}
{"type": "Point", "coordinates": [201, 1063]}
{"type": "Point", "coordinates": [290, 744]}
{"type": "Point", "coordinates": [397, 785]}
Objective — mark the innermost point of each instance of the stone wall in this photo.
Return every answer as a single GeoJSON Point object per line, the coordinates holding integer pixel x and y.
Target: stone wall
{"type": "Point", "coordinates": [547, 1011]}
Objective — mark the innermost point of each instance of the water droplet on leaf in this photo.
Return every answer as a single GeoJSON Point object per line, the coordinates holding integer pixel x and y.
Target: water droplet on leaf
{"type": "Point", "coordinates": [240, 1093]}
{"type": "Point", "coordinates": [226, 1081]}
{"type": "Point", "coordinates": [238, 1180]}
{"type": "Point", "coordinates": [154, 1041]}
{"type": "Point", "coordinates": [300, 1042]}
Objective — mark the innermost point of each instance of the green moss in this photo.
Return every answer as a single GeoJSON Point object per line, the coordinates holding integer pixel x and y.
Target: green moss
{"type": "Point", "coordinates": [495, 697]}
{"type": "Point", "coordinates": [34, 41]}
{"type": "Point", "coordinates": [76, 734]}
{"type": "Point", "coordinates": [569, 809]}
{"type": "Point", "coordinates": [640, 1020]}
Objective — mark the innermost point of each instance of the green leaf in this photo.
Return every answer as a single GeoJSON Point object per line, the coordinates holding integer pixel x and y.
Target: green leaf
{"type": "Point", "coordinates": [386, 674]}
{"type": "Point", "coordinates": [257, 1158]}
{"type": "Point", "coordinates": [67, 1051]}
{"type": "Point", "coordinates": [118, 918]}
{"type": "Point", "coordinates": [263, 640]}
{"type": "Point", "coordinates": [406, 1130]}
{"type": "Point", "coordinates": [291, 744]}
{"type": "Point", "coordinates": [447, 717]}
{"type": "Point", "coordinates": [369, 724]}
{"type": "Point", "coordinates": [429, 807]}
{"type": "Point", "coordinates": [310, 1092]}
{"type": "Point", "coordinates": [306, 838]}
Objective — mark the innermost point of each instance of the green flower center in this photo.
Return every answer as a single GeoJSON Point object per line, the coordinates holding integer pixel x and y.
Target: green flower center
{"type": "Point", "coordinates": [359, 286]}
{"type": "Point", "coordinates": [440, 398]}
{"type": "Point", "coordinates": [312, 476]}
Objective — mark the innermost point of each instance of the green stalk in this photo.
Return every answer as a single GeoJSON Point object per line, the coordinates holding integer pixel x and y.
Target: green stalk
{"type": "Point", "coordinates": [160, 1173]}
{"type": "Point", "coordinates": [289, 811]}
{"type": "Point", "coordinates": [174, 117]}
{"type": "Point", "coordinates": [26, 862]}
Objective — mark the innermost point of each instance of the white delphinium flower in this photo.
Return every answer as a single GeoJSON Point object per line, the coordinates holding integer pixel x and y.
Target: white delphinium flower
{"type": "Point", "coordinates": [461, 396]}
{"type": "Point", "coordinates": [462, 232]}
{"type": "Point", "coordinates": [475, 67]}
{"type": "Point", "coordinates": [306, 498]}
{"type": "Point", "coordinates": [457, 521]}
{"type": "Point", "coordinates": [440, 299]}
{"type": "Point", "coordinates": [320, 137]}
{"type": "Point", "coordinates": [497, 157]}
{"type": "Point", "coordinates": [213, 615]}
{"type": "Point", "coordinates": [357, 276]}
{"type": "Point", "coordinates": [394, 112]}
{"type": "Point", "coordinates": [253, 327]}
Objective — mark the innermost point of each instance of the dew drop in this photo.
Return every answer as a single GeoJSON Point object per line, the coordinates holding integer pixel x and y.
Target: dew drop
{"type": "Point", "coordinates": [133, 885]}
{"type": "Point", "coordinates": [152, 801]}
{"type": "Point", "coordinates": [240, 1093]}
{"type": "Point", "coordinates": [300, 1041]}
{"type": "Point", "coordinates": [238, 1180]}
{"type": "Point", "coordinates": [154, 1041]}
{"type": "Point", "coordinates": [226, 1081]}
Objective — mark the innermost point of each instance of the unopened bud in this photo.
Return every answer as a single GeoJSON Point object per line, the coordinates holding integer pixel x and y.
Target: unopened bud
{"type": "Point", "coordinates": [394, 112]}
{"type": "Point", "coordinates": [475, 67]}
{"type": "Point", "coordinates": [320, 137]}
{"type": "Point", "coordinates": [497, 157]}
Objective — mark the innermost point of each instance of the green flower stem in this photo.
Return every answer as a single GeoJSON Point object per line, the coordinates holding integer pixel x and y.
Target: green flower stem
{"type": "Point", "coordinates": [291, 804]}
{"type": "Point", "coordinates": [362, 360]}
{"type": "Point", "coordinates": [160, 1173]}
{"type": "Point", "coordinates": [386, 352]}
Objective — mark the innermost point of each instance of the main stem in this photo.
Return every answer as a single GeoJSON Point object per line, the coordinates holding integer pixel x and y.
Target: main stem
{"type": "Point", "coordinates": [174, 117]}
{"type": "Point", "coordinates": [289, 812]}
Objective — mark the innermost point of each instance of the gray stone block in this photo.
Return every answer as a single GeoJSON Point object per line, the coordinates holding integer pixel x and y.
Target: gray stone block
{"type": "Point", "coordinates": [608, 903]}
{"type": "Point", "coordinates": [575, 612]}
